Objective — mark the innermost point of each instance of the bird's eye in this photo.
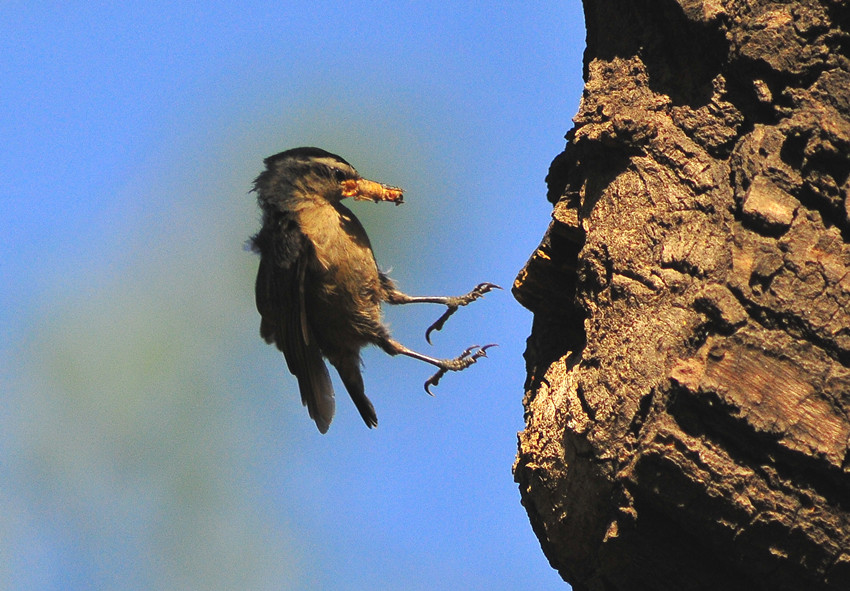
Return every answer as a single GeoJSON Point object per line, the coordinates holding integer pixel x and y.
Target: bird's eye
{"type": "Point", "coordinates": [338, 174]}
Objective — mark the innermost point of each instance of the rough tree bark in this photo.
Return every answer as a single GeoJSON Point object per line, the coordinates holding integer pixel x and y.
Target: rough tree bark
{"type": "Point", "coordinates": [688, 393]}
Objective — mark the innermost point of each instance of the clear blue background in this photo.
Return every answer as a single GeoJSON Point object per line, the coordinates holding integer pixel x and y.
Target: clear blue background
{"type": "Point", "coordinates": [148, 438]}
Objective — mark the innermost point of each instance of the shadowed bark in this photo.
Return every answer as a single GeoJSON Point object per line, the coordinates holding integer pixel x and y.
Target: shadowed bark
{"type": "Point", "coordinates": [688, 392]}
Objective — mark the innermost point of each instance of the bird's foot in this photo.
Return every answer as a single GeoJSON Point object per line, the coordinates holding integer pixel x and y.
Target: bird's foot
{"type": "Point", "coordinates": [453, 303]}
{"type": "Point", "coordinates": [461, 362]}
{"type": "Point", "coordinates": [473, 295]}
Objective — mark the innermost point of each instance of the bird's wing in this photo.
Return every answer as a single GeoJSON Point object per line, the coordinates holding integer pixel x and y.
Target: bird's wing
{"type": "Point", "coordinates": [284, 254]}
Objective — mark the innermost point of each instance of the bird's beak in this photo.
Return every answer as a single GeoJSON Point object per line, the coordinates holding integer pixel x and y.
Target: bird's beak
{"type": "Point", "coordinates": [366, 190]}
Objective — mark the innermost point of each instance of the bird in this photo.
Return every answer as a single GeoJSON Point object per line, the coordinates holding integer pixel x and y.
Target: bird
{"type": "Point", "coordinates": [319, 289]}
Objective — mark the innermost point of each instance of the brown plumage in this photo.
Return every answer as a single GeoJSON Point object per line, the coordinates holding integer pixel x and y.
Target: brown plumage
{"type": "Point", "coordinates": [319, 290]}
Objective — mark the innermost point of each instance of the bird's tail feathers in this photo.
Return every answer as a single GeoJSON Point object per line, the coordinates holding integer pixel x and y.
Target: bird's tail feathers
{"type": "Point", "coordinates": [349, 372]}
{"type": "Point", "coordinates": [317, 392]}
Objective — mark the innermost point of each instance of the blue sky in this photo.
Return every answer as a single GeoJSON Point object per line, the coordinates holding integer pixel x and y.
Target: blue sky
{"type": "Point", "coordinates": [148, 437]}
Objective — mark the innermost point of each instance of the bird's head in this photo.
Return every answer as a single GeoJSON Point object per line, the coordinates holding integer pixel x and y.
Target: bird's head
{"type": "Point", "coordinates": [314, 173]}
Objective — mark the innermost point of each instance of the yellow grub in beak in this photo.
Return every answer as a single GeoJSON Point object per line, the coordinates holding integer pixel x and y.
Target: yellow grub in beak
{"type": "Point", "coordinates": [365, 190]}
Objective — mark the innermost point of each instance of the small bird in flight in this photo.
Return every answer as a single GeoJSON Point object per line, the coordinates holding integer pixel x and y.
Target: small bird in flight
{"type": "Point", "coordinates": [319, 290]}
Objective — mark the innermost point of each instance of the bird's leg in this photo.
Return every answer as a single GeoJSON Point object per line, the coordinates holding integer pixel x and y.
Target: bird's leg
{"type": "Point", "coordinates": [461, 362]}
{"type": "Point", "coordinates": [452, 303]}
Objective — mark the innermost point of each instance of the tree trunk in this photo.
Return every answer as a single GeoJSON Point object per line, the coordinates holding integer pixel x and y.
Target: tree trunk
{"type": "Point", "coordinates": [688, 392]}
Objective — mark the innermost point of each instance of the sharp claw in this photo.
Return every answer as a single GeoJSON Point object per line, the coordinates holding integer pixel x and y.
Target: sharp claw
{"type": "Point", "coordinates": [483, 351]}
{"type": "Point", "coordinates": [477, 292]}
{"type": "Point", "coordinates": [438, 325]}
{"type": "Point", "coordinates": [459, 363]}
{"type": "Point", "coordinates": [485, 287]}
{"type": "Point", "coordinates": [433, 381]}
